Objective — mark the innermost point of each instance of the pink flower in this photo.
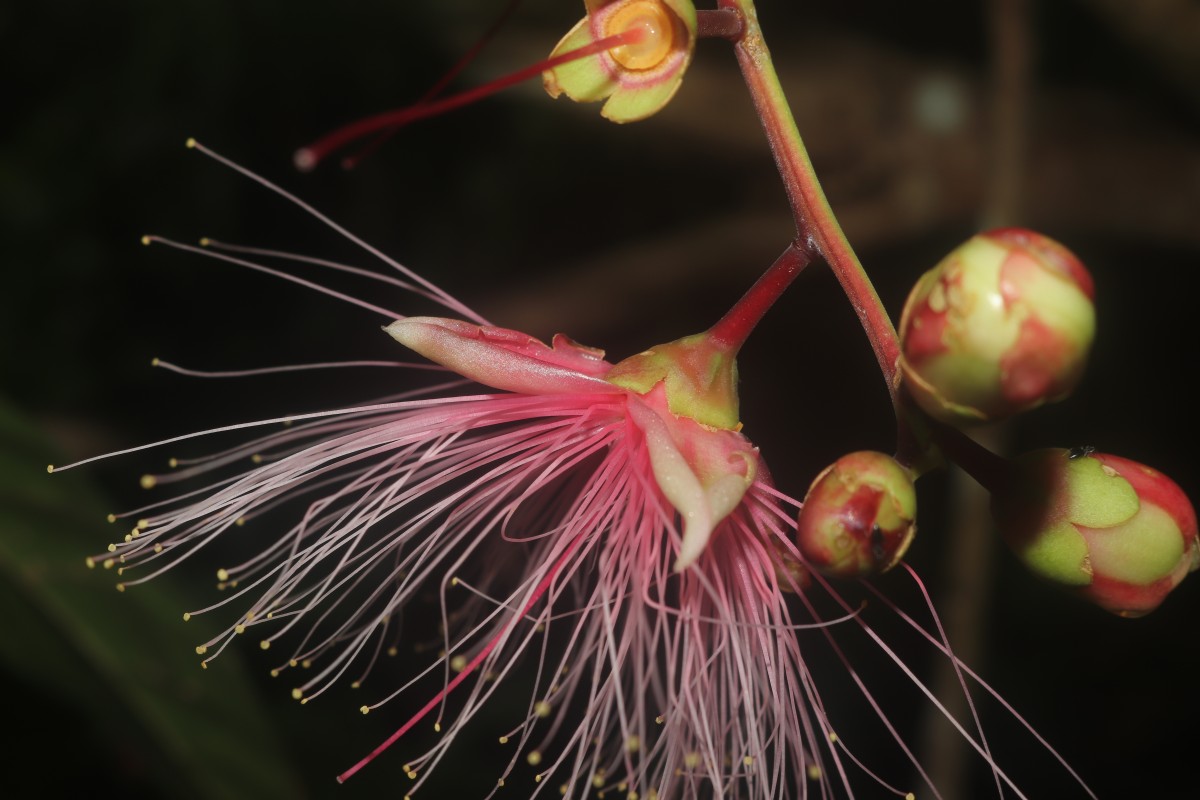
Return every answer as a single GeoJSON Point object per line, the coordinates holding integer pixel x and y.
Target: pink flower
{"type": "Point", "coordinates": [606, 526]}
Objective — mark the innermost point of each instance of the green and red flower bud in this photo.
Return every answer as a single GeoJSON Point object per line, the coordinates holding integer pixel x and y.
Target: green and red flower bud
{"type": "Point", "coordinates": [859, 516]}
{"type": "Point", "coordinates": [1003, 324]}
{"type": "Point", "coordinates": [1117, 532]}
{"type": "Point", "coordinates": [637, 78]}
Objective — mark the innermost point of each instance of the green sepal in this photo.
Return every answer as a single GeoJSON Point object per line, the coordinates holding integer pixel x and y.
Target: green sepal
{"type": "Point", "coordinates": [1059, 553]}
{"type": "Point", "coordinates": [1098, 496]}
{"type": "Point", "coordinates": [699, 379]}
{"type": "Point", "coordinates": [584, 80]}
{"type": "Point", "coordinates": [1139, 551]}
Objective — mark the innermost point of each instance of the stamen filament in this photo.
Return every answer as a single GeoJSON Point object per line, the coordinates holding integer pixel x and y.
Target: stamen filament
{"type": "Point", "coordinates": [307, 158]}
{"type": "Point", "coordinates": [470, 668]}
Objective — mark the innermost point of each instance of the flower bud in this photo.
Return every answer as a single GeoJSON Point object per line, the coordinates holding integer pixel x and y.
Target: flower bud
{"type": "Point", "coordinates": [1003, 324]}
{"type": "Point", "coordinates": [1119, 533]}
{"type": "Point", "coordinates": [858, 516]}
{"type": "Point", "coordinates": [637, 79]}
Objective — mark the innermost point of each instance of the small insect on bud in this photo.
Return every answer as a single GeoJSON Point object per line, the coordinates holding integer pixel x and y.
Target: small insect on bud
{"type": "Point", "coordinates": [1003, 324]}
{"type": "Point", "coordinates": [858, 517]}
{"type": "Point", "coordinates": [1119, 533]}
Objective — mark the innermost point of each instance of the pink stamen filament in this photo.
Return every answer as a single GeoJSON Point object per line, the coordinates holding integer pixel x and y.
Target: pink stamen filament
{"type": "Point", "coordinates": [307, 158]}
{"type": "Point", "coordinates": [350, 162]}
{"type": "Point", "coordinates": [470, 668]}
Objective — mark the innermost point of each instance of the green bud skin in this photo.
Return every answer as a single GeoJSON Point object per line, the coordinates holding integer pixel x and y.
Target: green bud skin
{"type": "Point", "coordinates": [698, 375]}
{"type": "Point", "coordinates": [1001, 325]}
{"type": "Point", "coordinates": [1117, 532]}
{"type": "Point", "coordinates": [636, 79]}
{"type": "Point", "coordinates": [858, 517]}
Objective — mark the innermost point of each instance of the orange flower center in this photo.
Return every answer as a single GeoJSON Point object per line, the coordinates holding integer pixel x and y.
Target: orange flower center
{"type": "Point", "coordinates": [656, 23]}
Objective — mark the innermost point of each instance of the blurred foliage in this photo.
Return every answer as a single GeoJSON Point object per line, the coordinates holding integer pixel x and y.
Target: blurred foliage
{"type": "Point", "coordinates": [109, 683]}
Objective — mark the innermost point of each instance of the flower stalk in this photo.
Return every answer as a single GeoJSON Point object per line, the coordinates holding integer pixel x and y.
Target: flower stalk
{"type": "Point", "coordinates": [815, 221]}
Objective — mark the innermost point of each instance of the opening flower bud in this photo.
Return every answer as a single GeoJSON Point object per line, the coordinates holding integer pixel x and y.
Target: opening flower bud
{"type": "Point", "coordinates": [635, 79]}
{"type": "Point", "coordinates": [1003, 324]}
{"type": "Point", "coordinates": [858, 516]}
{"type": "Point", "coordinates": [1117, 532]}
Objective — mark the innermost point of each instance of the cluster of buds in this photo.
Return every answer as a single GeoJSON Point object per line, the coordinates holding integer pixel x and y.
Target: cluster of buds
{"type": "Point", "coordinates": [1003, 325]}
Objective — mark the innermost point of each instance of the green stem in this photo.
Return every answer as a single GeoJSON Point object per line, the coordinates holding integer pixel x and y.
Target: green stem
{"type": "Point", "coordinates": [815, 222]}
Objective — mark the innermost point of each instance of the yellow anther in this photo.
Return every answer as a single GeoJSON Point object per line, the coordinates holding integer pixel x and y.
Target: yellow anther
{"type": "Point", "coordinates": [222, 574]}
{"type": "Point", "coordinates": [239, 629]}
{"type": "Point", "coordinates": [542, 709]}
{"type": "Point", "coordinates": [365, 709]}
{"type": "Point", "coordinates": [186, 616]}
{"type": "Point", "coordinates": [120, 587]}
{"type": "Point", "coordinates": [91, 562]}
{"type": "Point", "coordinates": [148, 481]}
{"type": "Point", "coordinates": [297, 694]}
{"type": "Point", "coordinates": [748, 760]}
{"type": "Point", "coordinates": [265, 644]}
{"type": "Point", "coordinates": [633, 743]}
{"type": "Point", "coordinates": [201, 649]}
{"type": "Point", "coordinates": [503, 740]}
{"type": "Point", "coordinates": [458, 663]}
{"type": "Point", "coordinates": [111, 517]}
{"type": "Point", "coordinates": [534, 758]}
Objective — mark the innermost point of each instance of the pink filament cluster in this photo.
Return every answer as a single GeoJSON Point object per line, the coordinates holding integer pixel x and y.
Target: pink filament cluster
{"type": "Point", "coordinates": [537, 524]}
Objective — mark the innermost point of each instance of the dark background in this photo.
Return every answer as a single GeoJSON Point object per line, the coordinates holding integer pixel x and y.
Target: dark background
{"type": "Point", "coordinates": [544, 217]}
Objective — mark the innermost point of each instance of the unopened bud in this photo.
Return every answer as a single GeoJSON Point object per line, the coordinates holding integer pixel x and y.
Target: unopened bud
{"type": "Point", "coordinates": [858, 516]}
{"type": "Point", "coordinates": [1003, 324]}
{"type": "Point", "coordinates": [1119, 533]}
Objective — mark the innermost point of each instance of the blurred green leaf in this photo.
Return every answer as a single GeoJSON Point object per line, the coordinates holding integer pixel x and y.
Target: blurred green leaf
{"type": "Point", "coordinates": [82, 653]}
